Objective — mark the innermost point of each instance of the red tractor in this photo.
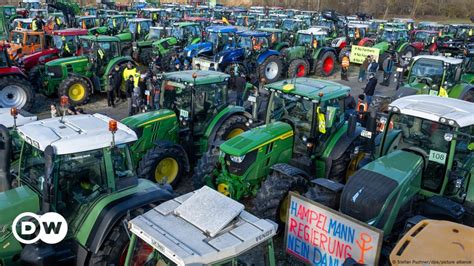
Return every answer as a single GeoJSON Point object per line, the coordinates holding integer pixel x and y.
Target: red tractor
{"type": "Point", "coordinates": [424, 41]}
{"type": "Point", "coordinates": [15, 89]}
{"type": "Point", "coordinates": [63, 43]}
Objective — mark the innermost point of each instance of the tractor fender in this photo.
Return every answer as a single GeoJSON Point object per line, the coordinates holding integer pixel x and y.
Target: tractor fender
{"type": "Point", "coordinates": [342, 144]}
{"type": "Point", "coordinates": [364, 41]}
{"type": "Point", "coordinates": [169, 144]}
{"type": "Point", "coordinates": [282, 45]}
{"type": "Point", "coordinates": [263, 56]}
{"type": "Point", "coordinates": [220, 118]}
{"type": "Point", "coordinates": [115, 210]}
{"type": "Point", "coordinates": [318, 53]}
{"type": "Point", "coordinates": [230, 56]}
{"type": "Point", "coordinates": [402, 47]}
{"type": "Point", "coordinates": [459, 91]}
{"type": "Point", "coordinates": [197, 49]}
{"type": "Point", "coordinates": [289, 170]}
{"type": "Point", "coordinates": [12, 71]}
{"type": "Point", "coordinates": [115, 61]}
{"type": "Point", "coordinates": [419, 46]}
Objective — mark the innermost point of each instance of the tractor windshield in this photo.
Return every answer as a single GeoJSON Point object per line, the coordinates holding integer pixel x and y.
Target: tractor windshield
{"type": "Point", "coordinates": [266, 24]}
{"type": "Point", "coordinates": [221, 39]}
{"type": "Point", "coordinates": [255, 43]}
{"type": "Point", "coordinates": [427, 70]}
{"type": "Point", "coordinates": [468, 64]}
{"type": "Point", "coordinates": [17, 37]}
{"type": "Point", "coordinates": [394, 36]}
{"type": "Point", "coordinates": [140, 27]}
{"type": "Point", "coordinates": [289, 25]}
{"type": "Point", "coordinates": [59, 41]}
{"type": "Point", "coordinates": [425, 138]}
{"type": "Point", "coordinates": [308, 39]}
{"type": "Point", "coordinates": [109, 49]}
{"type": "Point", "coordinates": [182, 33]}
{"type": "Point", "coordinates": [117, 23]}
{"type": "Point", "coordinates": [158, 33]}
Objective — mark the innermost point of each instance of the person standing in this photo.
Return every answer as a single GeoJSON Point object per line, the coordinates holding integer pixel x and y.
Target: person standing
{"type": "Point", "coordinates": [129, 85]}
{"type": "Point", "coordinates": [373, 66]}
{"type": "Point", "coordinates": [115, 80]}
{"type": "Point", "coordinates": [345, 67]}
{"type": "Point", "coordinates": [130, 70]}
{"type": "Point", "coordinates": [237, 84]}
{"type": "Point", "coordinates": [388, 70]}
{"type": "Point", "coordinates": [363, 69]}
{"type": "Point", "coordinates": [370, 88]}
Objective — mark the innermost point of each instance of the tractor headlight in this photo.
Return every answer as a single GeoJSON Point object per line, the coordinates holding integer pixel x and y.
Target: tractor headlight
{"type": "Point", "coordinates": [448, 137]}
{"type": "Point", "coordinates": [221, 58]}
{"type": "Point", "coordinates": [237, 159]}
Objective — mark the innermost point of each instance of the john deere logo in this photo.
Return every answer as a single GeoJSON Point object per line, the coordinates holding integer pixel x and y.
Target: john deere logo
{"type": "Point", "coordinates": [28, 228]}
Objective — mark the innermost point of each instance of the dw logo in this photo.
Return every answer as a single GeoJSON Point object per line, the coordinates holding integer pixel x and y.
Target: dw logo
{"type": "Point", "coordinates": [51, 228]}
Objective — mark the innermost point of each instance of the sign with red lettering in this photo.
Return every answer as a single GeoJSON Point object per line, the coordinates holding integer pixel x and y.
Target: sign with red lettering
{"type": "Point", "coordinates": [319, 235]}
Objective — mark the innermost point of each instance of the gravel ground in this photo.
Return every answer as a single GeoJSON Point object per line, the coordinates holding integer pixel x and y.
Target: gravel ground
{"type": "Point", "coordinates": [98, 104]}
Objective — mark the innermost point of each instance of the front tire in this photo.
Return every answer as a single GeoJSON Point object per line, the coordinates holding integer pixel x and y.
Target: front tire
{"type": "Point", "coordinates": [16, 91]}
{"type": "Point", "coordinates": [35, 77]}
{"type": "Point", "coordinates": [326, 64]}
{"type": "Point", "coordinates": [298, 68]}
{"type": "Point", "coordinates": [233, 126]}
{"type": "Point", "coordinates": [204, 170]}
{"type": "Point", "coordinates": [162, 162]}
{"type": "Point", "coordinates": [270, 69]}
{"type": "Point", "coordinates": [76, 88]}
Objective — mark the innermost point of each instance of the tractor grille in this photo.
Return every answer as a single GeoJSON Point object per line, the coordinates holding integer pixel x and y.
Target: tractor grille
{"type": "Point", "coordinates": [365, 194]}
{"type": "Point", "coordinates": [240, 168]}
{"type": "Point", "coordinates": [54, 71]}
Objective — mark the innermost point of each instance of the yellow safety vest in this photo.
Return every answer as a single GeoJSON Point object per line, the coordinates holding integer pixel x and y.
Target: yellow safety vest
{"type": "Point", "coordinates": [101, 53]}
{"type": "Point", "coordinates": [58, 21]}
{"type": "Point", "coordinates": [322, 121]}
{"type": "Point", "coordinates": [443, 92]}
{"type": "Point", "coordinates": [34, 26]}
{"type": "Point", "coordinates": [131, 72]}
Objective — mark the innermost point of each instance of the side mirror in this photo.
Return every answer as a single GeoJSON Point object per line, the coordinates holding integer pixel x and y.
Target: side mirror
{"type": "Point", "coordinates": [352, 125]}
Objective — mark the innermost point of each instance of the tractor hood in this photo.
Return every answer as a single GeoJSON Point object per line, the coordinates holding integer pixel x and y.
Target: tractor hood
{"type": "Point", "coordinates": [294, 52]}
{"type": "Point", "coordinates": [411, 89]}
{"type": "Point", "coordinates": [163, 40]}
{"type": "Point", "coordinates": [229, 56]}
{"type": "Point", "coordinates": [16, 201]}
{"type": "Point", "coordinates": [143, 119]}
{"type": "Point", "coordinates": [256, 138]}
{"type": "Point", "coordinates": [67, 60]}
{"type": "Point", "coordinates": [124, 37]}
{"type": "Point", "coordinates": [372, 191]}
{"type": "Point", "coordinates": [382, 46]}
{"type": "Point", "coordinates": [197, 49]}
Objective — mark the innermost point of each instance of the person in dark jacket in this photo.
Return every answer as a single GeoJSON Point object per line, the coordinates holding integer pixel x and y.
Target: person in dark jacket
{"type": "Point", "coordinates": [388, 70]}
{"type": "Point", "coordinates": [129, 85]}
{"type": "Point", "coordinates": [237, 84]}
{"type": "Point", "coordinates": [115, 80]}
{"type": "Point", "coordinates": [370, 88]}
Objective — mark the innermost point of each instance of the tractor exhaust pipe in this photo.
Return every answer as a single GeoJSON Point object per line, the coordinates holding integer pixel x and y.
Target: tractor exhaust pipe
{"type": "Point", "coordinates": [48, 188]}
{"type": "Point", "coordinates": [5, 156]}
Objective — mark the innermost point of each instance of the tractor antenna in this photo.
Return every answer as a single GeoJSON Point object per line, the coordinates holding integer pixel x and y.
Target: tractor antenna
{"type": "Point", "coordinates": [14, 113]}
{"type": "Point", "coordinates": [113, 130]}
{"type": "Point", "coordinates": [64, 102]}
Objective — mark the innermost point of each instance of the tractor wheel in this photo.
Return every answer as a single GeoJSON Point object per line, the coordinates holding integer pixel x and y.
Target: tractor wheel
{"type": "Point", "coordinates": [76, 88]}
{"type": "Point", "coordinates": [409, 52]}
{"type": "Point", "coordinates": [204, 170]}
{"type": "Point", "coordinates": [232, 127]}
{"type": "Point", "coordinates": [15, 91]}
{"type": "Point", "coordinates": [146, 56]}
{"type": "Point", "coordinates": [298, 68]}
{"type": "Point", "coordinates": [469, 96]}
{"type": "Point", "coordinates": [160, 162]}
{"type": "Point", "coordinates": [383, 60]}
{"type": "Point", "coordinates": [380, 104]}
{"type": "Point", "coordinates": [326, 64]}
{"type": "Point", "coordinates": [270, 69]}
{"type": "Point", "coordinates": [114, 248]}
{"type": "Point", "coordinates": [272, 199]}
{"type": "Point", "coordinates": [324, 196]}
{"type": "Point", "coordinates": [343, 52]}
{"type": "Point", "coordinates": [35, 77]}
{"type": "Point", "coordinates": [339, 168]}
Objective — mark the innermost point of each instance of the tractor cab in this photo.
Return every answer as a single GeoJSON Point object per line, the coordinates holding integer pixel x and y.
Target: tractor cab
{"type": "Point", "coordinates": [186, 32]}
{"type": "Point", "coordinates": [291, 26]}
{"type": "Point", "coordinates": [195, 97]}
{"type": "Point", "coordinates": [424, 36]}
{"type": "Point", "coordinates": [21, 23]}
{"type": "Point", "coordinates": [89, 11]}
{"type": "Point", "coordinates": [216, 39]}
{"type": "Point", "coordinates": [357, 31]}
{"type": "Point", "coordinates": [266, 23]}
{"type": "Point", "coordinates": [232, 237]}
{"type": "Point", "coordinates": [394, 35]}
{"type": "Point", "coordinates": [24, 42]}
{"type": "Point", "coordinates": [102, 48]}
{"type": "Point", "coordinates": [276, 38]}
{"type": "Point", "coordinates": [87, 22]}
{"type": "Point", "coordinates": [9, 13]}
{"type": "Point", "coordinates": [139, 28]}
{"type": "Point", "coordinates": [157, 33]}
{"type": "Point", "coordinates": [38, 12]}
{"type": "Point", "coordinates": [245, 21]}
{"type": "Point", "coordinates": [409, 23]}
{"type": "Point", "coordinates": [66, 41]}
{"type": "Point", "coordinates": [429, 73]}
{"type": "Point", "coordinates": [151, 13]}
{"type": "Point", "coordinates": [431, 26]}
{"type": "Point", "coordinates": [312, 38]}
{"type": "Point", "coordinates": [117, 23]}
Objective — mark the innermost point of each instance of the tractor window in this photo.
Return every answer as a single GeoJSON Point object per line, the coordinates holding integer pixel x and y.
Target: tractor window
{"type": "Point", "coordinates": [220, 40]}
{"type": "Point", "coordinates": [122, 162]}
{"type": "Point", "coordinates": [17, 37]}
{"type": "Point", "coordinates": [82, 178]}
{"type": "Point", "coordinates": [110, 49]}
{"type": "Point", "coordinates": [33, 39]}
{"type": "Point", "coordinates": [425, 138]}
{"type": "Point", "coordinates": [177, 97]}
{"type": "Point", "coordinates": [32, 167]}
{"type": "Point", "coordinates": [468, 64]}
{"type": "Point", "coordinates": [295, 111]}
{"type": "Point", "coordinates": [427, 68]}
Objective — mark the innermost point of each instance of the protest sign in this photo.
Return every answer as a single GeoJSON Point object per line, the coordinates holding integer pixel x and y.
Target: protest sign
{"type": "Point", "coordinates": [359, 53]}
{"type": "Point", "coordinates": [319, 235]}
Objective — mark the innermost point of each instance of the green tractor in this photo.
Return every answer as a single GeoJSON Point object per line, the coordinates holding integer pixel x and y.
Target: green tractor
{"type": "Point", "coordinates": [182, 35]}
{"type": "Point", "coordinates": [74, 76]}
{"type": "Point", "coordinates": [75, 167]}
{"type": "Point", "coordinates": [113, 25]}
{"type": "Point", "coordinates": [393, 40]}
{"type": "Point", "coordinates": [423, 170]}
{"type": "Point", "coordinates": [305, 135]}
{"type": "Point", "coordinates": [311, 54]}
{"type": "Point", "coordinates": [143, 50]}
{"type": "Point", "coordinates": [194, 118]}
{"type": "Point", "coordinates": [429, 74]}
{"type": "Point", "coordinates": [276, 40]}
{"type": "Point", "coordinates": [86, 22]}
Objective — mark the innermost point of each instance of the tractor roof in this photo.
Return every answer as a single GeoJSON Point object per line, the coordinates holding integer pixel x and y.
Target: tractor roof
{"type": "Point", "coordinates": [70, 32]}
{"type": "Point", "coordinates": [447, 60]}
{"type": "Point", "coordinates": [100, 38]}
{"type": "Point", "coordinates": [311, 88]}
{"type": "Point", "coordinates": [203, 76]}
{"type": "Point", "coordinates": [434, 108]}
{"type": "Point", "coordinates": [86, 17]}
{"type": "Point", "coordinates": [315, 31]}
{"type": "Point", "coordinates": [271, 30]}
{"type": "Point", "coordinates": [184, 24]}
{"type": "Point", "coordinates": [223, 29]}
{"type": "Point", "coordinates": [249, 33]}
{"type": "Point", "coordinates": [138, 20]}
{"type": "Point", "coordinates": [394, 29]}
{"type": "Point", "coordinates": [22, 118]}
{"type": "Point", "coordinates": [76, 133]}
{"type": "Point", "coordinates": [201, 228]}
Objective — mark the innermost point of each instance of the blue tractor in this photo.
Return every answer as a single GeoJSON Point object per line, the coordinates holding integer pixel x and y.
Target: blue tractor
{"type": "Point", "coordinates": [251, 56]}
{"type": "Point", "coordinates": [216, 38]}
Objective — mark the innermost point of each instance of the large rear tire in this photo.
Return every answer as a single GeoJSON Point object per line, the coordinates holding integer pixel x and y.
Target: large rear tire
{"type": "Point", "coordinates": [35, 77]}
{"type": "Point", "coordinates": [271, 69]}
{"type": "Point", "coordinates": [162, 162]}
{"type": "Point", "coordinates": [469, 96]}
{"type": "Point", "coordinates": [16, 91]}
{"type": "Point", "coordinates": [204, 170]}
{"type": "Point", "coordinates": [76, 88]}
{"type": "Point", "coordinates": [271, 200]}
{"type": "Point", "coordinates": [232, 127]}
{"type": "Point", "coordinates": [325, 66]}
{"type": "Point", "coordinates": [298, 67]}
{"type": "Point", "coordinates": [146, 56]}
